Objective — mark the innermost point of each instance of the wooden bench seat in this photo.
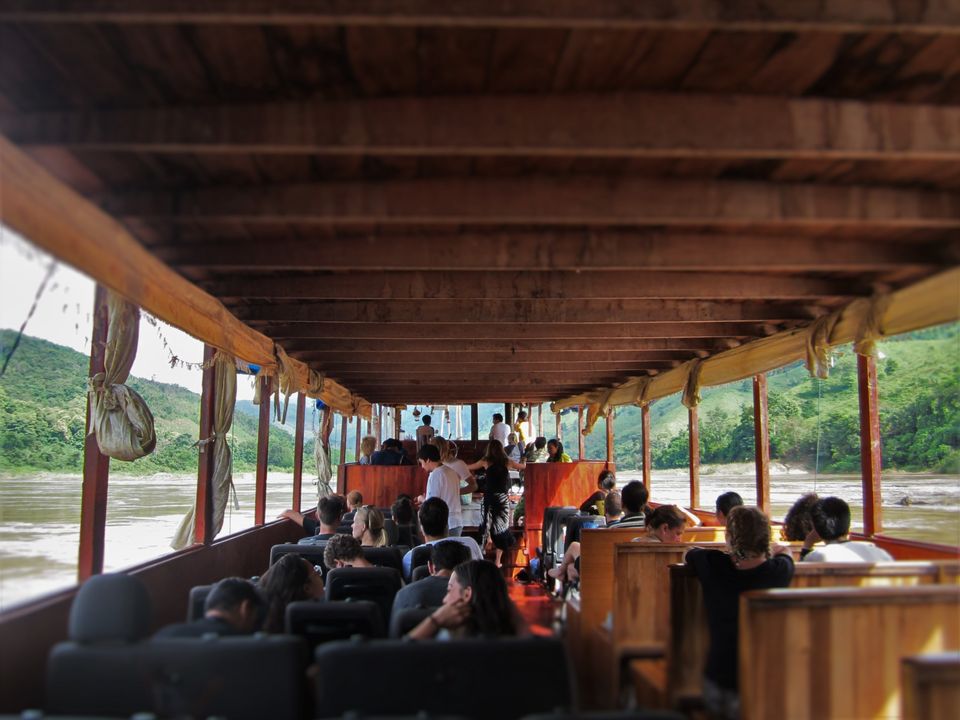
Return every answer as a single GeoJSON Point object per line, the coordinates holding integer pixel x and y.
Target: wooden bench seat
{"type": "Point", "coordinates": [931, 686]}
{"type": "Point", "coordinates": [835, 653]}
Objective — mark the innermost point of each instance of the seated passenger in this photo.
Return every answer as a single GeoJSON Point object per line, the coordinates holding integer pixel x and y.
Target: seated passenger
{"type": "Point", "coordinates": [354, 503]}
{"type": "Point", "coordinates": [831, 523]}
{"type": "Point", "coordinates": [288, 580]}
{"type": "Point", "coordinates": [613, 507]}
{"type": "Point", "coordinates": [798, 522]}
{"type": "Point", "coordinates": [746, 565]}
{"type": "Point", "coordinates": [329, 510]}
{"type": "Point", "coordinates": [344, 551]}
{"type": "Point", "coordinates": [429, 592]}
{"type": "Point", "coordinates": [606, 482]}
{"type": "Point", "coordinates": [634, 496]}
{"type": "Point", "coordinates": [233, 607]}
{"type": "Point", "coordinates": [725, 503]}
{"type": "Point", "coordinates": [665, 524]}
{"type": "Point", "coordinates": [367, 445]}
{"type": "Point", "coordinates": [390, 453]}
{"type": "Point", "coordinates": [434, 517]}
{"type": "Point", "coordinates": [476, 605]}
{"type": "Point", "coordinates": [536, 451]}
{"type": "Point", "coordinates": [368, 527]}
{"type": "Point", "coordinates": [555, 452]}
{"type": "Point", "coordinates": [569, 569]}
{"type": "Point", "coordinates": [405, 517]}
{"type": "Point", "coordinates": [513, 449]}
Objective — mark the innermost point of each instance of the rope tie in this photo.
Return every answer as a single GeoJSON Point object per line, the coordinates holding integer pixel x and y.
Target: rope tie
{"type": "Point", "coordinates": [818, 343]}
{"type": "Point", "coordinates": [871, 325]}
{"type": "Point", "coordinates": [691, 388]}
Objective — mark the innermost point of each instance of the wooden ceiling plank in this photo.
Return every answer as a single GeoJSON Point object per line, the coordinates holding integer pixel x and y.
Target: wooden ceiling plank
{"type": "Point", "coordinates": [629, 125]}
{"type": "Point", "coordinates": [463, 357]}
{"type": "Point", "coordinates": [560, 251]}
{"type": "Point", "coordinates": [549, 312]}
{"type": "Point", "coordinates": [580, 201]}
{"type": "Point", "coordinates": [836, 16]}
{"type": "Point", "coordinates": [385, 349]}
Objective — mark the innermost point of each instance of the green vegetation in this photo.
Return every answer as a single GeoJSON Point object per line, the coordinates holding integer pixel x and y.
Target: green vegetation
{"type": "Point", "coordinates": [43, 401]}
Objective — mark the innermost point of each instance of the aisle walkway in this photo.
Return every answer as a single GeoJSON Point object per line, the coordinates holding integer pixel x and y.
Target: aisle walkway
{"type": "Point", "coordinates": [536, 605]}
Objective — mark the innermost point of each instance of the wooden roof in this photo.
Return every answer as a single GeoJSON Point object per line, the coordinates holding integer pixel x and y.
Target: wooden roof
{"type": "Point", "coordinates": [505, 201]}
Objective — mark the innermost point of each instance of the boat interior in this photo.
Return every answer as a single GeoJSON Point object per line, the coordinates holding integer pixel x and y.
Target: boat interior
{"type": "Point", "coordinates": [575, 204]}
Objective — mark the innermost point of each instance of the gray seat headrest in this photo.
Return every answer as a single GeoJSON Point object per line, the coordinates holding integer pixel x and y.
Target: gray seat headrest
{"type": "Point", "coordinates": [110, 608]}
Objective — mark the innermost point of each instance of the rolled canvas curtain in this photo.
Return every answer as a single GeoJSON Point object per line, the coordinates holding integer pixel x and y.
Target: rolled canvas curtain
{"type": "Point", "coordinates": [119, 416]}
{"type": "Point", "coordinates": [225, 381]}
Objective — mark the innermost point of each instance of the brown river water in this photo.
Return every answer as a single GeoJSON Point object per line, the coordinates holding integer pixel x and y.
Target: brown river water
{"type": "Point", "coordinates": [40, 514]}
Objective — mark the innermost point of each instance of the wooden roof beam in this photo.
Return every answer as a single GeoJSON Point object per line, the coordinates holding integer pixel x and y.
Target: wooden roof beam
{"type": "Point", "coordinates": [545, 285]}
{"type": "Point", "coordinates": [385, 350]}
{"type": "Point", "coordinates": [549, 201]}
{"type": "Point", "coordinates": [508, 332]}
{"type": "Point", "coordinates": [635, 125]}
{"type": "Point", "coordinates": [494, 369]}
{"type": "Point", "coordinates": [479, 354]}
{"type": "Point", "coordinates": [573, 250]}
{"type": "Point", "coordinates": [551, 312]}
{"type": "Point", "coordinates": [852, 16]}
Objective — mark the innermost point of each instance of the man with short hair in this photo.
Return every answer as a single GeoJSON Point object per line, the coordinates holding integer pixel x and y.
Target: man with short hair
{"type": "Point", "coordinates": [424, 432]}
{"type": "Point", "coordinates": [442, 482]}
{"type": "Point", "coordinates": [537, 451]}
{"type": "Point", "coordinates": [725, 503]}
{"type": "Point", "coordinates": [390, 453]}
{"type": "Point", "coordinates": [233, 607]}
{"type": "Point", "coordinates": [500, 429]}
{"type": "Point", "coordinates": [329, 510]}
{"type": "Point", "coordinates": [344, 550]}
{"type": "Point", "coordinates": [428, 592]}
{"type": "Point", "coordinates": [634, 496]}
{"type": "Point", "coordinates": [612, 507]}
{"type": "Point", "coordinates": [434, 521]}
{"type": "Point", "coordinates": [831, 523]}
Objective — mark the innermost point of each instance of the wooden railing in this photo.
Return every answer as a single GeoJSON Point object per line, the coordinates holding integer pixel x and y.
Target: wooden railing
{"type": "Point", "coordinates": [931, 687]}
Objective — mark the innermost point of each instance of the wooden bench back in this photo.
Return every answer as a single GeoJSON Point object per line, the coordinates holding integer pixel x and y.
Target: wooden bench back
{"type": "Point", "coordinates": [690, 636]}
{"type": "Point", "coordinates": [832, 653]}
{"type": "Point", "coordinates": [931, 686]}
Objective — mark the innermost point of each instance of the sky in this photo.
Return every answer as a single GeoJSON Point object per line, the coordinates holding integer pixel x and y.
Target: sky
{"type": "Point", "coordinates": [63, 316]}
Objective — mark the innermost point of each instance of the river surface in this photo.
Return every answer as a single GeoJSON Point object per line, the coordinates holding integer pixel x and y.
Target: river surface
{"type": "Point", "coordinates": [40, 514]}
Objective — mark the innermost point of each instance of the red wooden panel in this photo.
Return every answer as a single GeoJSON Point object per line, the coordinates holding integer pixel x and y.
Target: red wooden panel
{"type": "Point", "coordinates": [549, 484]}
{"type": "Point", "coordinates": [381, 484]}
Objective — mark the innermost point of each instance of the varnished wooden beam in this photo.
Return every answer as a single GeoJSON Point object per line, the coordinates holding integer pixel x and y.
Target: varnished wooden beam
{"type": "Point", "coordinates": [540, 311]}
{"type": "Point", "coordinates": [475, 355]}
{"type": "Point", "coordinates": [357, 373]}
{"type": "Point", "coordinates": [545, 285]}
{"type": "Point", "coordinates": [203, 529]}
{"type": "Point", "coordinates": [263, 451]}
{"type": "Point", "coordinates": [387, 350]}
{"type": "Point", "coordinates": [506, 332]}
{"type": "Point", "coordinates": [298, 451]}
{"type": "Point", "coordinates": [870, 454]}
{"type": "Point", "coordinates": [693, 419]}
{"type": "Point", "coordinates": [853, 16]}
{"type": "Point", "coordinates": [570, 250]}
{"type": "Point", "coordinates": [636, 125]}
{"type": "Point", "coordinates": [549, 201]}
{"type": "Point", "coordinates": [761, 441]}
{"type": "Point", "coordinates": [505, 378]}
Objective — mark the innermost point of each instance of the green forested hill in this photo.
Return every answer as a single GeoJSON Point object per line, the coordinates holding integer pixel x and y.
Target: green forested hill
{"type": "Point", "coordinates": [42, 405]}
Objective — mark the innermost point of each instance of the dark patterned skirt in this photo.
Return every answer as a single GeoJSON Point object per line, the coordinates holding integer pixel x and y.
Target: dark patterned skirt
{"type": "Point", "coordinates": [495, 520]}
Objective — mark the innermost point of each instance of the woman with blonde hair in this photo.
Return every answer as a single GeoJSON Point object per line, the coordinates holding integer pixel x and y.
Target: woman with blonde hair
{"type": "Point", "coordinates": [368, 527]}
{"type": "Point", "coordinates": [367, 445]}
{"type": "Point", "coordinates": [745, 565]}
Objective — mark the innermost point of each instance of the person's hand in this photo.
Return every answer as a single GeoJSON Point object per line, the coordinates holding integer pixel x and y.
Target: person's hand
{"type": "Point", "coordinates": [778, 549]}
{"type": "Point", "coordinates": [420, 500]}
{"type": "Point", "coordinates": [451, 616]}
{"type": "Point", "coordinates": [813, 537]}
{"type": "Point", "coordinates": [291, 515]}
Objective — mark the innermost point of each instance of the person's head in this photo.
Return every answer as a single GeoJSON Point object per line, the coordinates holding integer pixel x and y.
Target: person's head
{"type": "Point", "coordinates": [480, 584]}
{"type": "Point", "coordinates": [540, 442]}
{"type": "Point", "coordinates": [497, 418]}
{"type": "Point", "coordinates": [238, 602]}
{"type": "Point", "coordinates": [634, 495]}
{"type": "Point", "coordinates": [289, 579]}
{"type": "Point", "coordinates": [521, 416]}
{"type": "Point", "coordinates": [798, 521]}
{"type": "Point", "coordinates": [354, 499]}
{"type": "Point", "coordinates": [329, 511]}
{"type": "Point", "coordinates": [748, 532]}
{"type": "Point", "coordinates": [427, 420]}
{"type": "Point", "coordinates": [434, 516]}
{"type": "Point", "coordinates": [343, 551]}
{"type": "Point", "coordinates": [607, 481]}
{"type": "Point", "coordinates": [831, 518]}
{"type": "Point", "coordinates": [403, 510]}
{"type": "Point", "coordinates": [445, 556]}
{"type": "Point", "coordinates": [440, 443]}
{"type": "Point", "coordinates": [511, 438]}
{"type": "Point", "coordinates": [612, 506]}
{"type": "Point", "coordinates": [451, 453]}
{"type": "Point", "coordinates": [725, 503]}
{"type": "Point", "coordinates": [554, 449]}
{"type": "Point", "coordinates": [667, 524]}
{"type": "Point", "coordinates": [428, 457]}
{"type": "Point", "coordinates": [368, 527]}
{"type": "Point", "coordinates": [495, 454]}
{"type": "Point", "coordinates": [367, 445]}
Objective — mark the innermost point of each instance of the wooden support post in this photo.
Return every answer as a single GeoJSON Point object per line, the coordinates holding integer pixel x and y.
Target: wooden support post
{"type": "Point", "coordinates": [540, 420]}
{"type": "Point", "coordinates": [263, 450]}
{"type": "Point", "coordinates": [609, 420]}
{"type": "Point", "coordinates": [870, 457]}
{"type": "Point", "coordinates": [343, 439]}
{"type": "Point", "coordinates": [96, 465]}
{"type": "Point", "coordinates": [396, 423]}
{"type": "Point", "coordinates": [203, 515]}
{"type": "Point", "coordinates": [508, 413]}
{"type": "Point", "coordinates": [761, 441]}
{"type": "Point", "coordinates": [645, 444]}
{"type": "Point", "coordinates": [356, 440]}
{"type": "Point", "coordinates": [694, 420]}
{"type": "Point", "coordinates": [298, 451]}
{"type": "Point", "coordinates": [379, 409]}
{"type": "Point", "coordinates": [474, 422]}
{"type": "Point", "coordinates": [559, 430]}
{"type": "Point", "coordinates": [581, 455]}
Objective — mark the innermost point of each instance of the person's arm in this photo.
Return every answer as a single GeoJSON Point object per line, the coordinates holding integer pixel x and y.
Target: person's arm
{"type": "Point", "coordinates": [477, 465]}
{"type": "Point", "coordinates": [516, 465]}
{"type": "Point", "coordinates": [589, 503]}
{"type": "Point", "coordinates": [471, 485]}
{"type": "Point", "coordinates": [292, 515]}
{"type": "Point", "coordinates": [812, 538]}
{"type": "Point", "coordinates": [694, 520]}
{"type": "Point", "coordinates": [445, 616]}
